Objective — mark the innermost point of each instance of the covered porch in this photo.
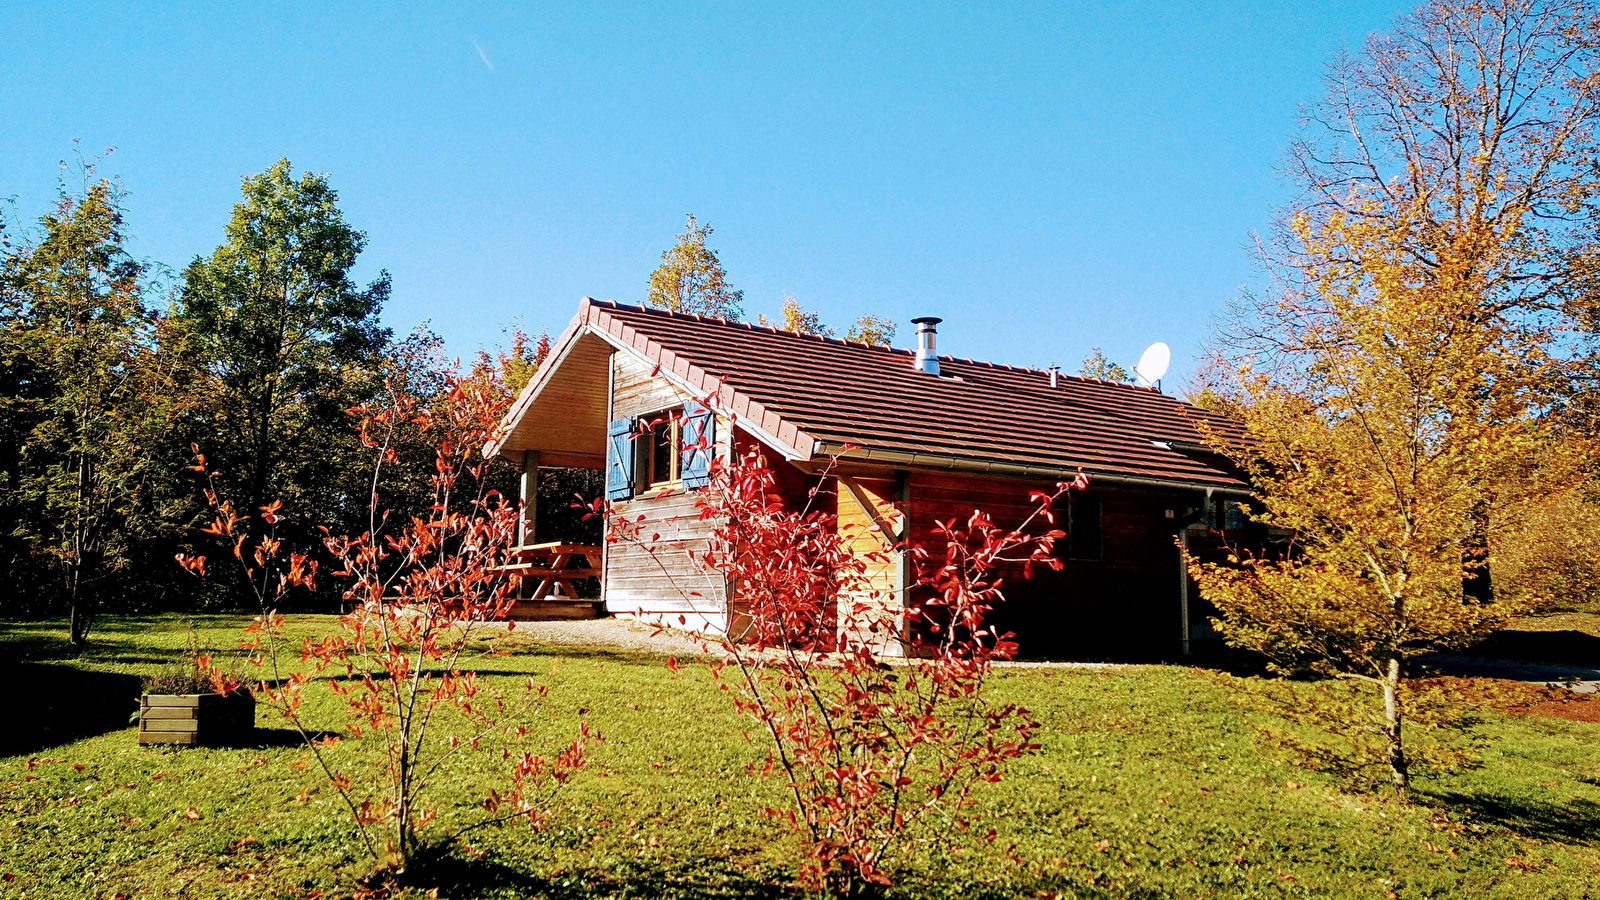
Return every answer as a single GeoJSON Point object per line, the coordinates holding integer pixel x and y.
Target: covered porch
{"type": "Point", "coordinates": [557, 440]}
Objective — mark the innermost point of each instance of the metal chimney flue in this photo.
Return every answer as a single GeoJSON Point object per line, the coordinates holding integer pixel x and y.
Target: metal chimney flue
{"type": "Point", "coordinates": [927, 347]}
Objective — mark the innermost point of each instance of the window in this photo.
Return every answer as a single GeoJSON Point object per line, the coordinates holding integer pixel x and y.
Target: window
{"type": "Point", "coordinates": [1080, 519]}
{"type": "Point", "coordinates": [660, 447]}
{"type": "Point", "coordinates": [1083, 527]}
{"type": "Point", "coordinates": [1224, 514]}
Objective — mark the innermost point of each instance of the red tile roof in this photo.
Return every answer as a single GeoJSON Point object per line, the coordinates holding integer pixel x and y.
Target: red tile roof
{"type": "Point", "coordinates": [814, 394]}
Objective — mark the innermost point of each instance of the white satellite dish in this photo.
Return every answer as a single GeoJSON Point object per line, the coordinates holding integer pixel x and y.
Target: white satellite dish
{"type": "Point", "coordinates": [1153, 364]}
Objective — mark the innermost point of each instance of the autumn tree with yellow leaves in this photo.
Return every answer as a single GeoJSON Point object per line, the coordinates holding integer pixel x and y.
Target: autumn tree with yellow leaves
{"type": "Point", "coordinates": [1396, 432]}
{"type": "Point", "coordinates": [1402, 387]}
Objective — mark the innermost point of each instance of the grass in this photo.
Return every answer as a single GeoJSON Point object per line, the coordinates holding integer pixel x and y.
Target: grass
{"type": "Point", "coordinates": [1150, 784]}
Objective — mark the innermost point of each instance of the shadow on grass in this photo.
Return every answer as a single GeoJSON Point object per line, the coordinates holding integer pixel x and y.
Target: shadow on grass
{"type": "Point", "coordinates": [280, 737]}
{"type": "Point", "coordinates": [56, 704]}
{"type": "Point", "coordinates": [1576, 821]}
{"type": "Point", "coordinates": [53, 648]}
{"type": "Point", "coordinates": [1569, 647]}
{"type": "Point", "coordinates": [601, 653]}
{"type": "Point", "coordinates": [458, 876]}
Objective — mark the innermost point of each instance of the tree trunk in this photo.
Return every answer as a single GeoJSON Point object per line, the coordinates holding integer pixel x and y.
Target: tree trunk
{"type": "Point", "coordinates": [79, 618]}
{"type": "Point", "coordinates": [1476, 583]}
{"type": "Point", "coordinates": [1393, 727]}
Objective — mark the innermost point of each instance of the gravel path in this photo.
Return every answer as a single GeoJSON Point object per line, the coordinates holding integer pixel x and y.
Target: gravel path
{"type": "Point", "coordinates": [1582, 679]}
{"type": "Point", "coordinates": [627, 634]}
{"type": "Point", "coordinates": [621, 634]}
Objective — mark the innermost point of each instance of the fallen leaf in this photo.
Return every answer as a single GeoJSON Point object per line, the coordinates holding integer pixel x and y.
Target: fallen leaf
{"type": "Point", "coordinates": [191, 813]}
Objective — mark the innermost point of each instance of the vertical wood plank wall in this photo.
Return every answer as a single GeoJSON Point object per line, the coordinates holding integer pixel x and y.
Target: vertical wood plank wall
{"type": "Point", "coordinates": [1123, 606]}
{"type": "Point", "coordinates": [664, 584]}
{"type": "Point", "coordinates": [860, 531]}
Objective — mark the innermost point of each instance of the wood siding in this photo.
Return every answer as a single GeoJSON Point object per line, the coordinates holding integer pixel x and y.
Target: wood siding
{"type": "Point", "coordinates": [637, 391]}
{"type": "Point", "coordinates": [566, 421]}
{"type": "Point", "coordinates": [871, 525]}
{"type": "Point", "coordinates": [861, 529]}
{"type": "Point", "coordinates": [659, 580]}
{"type": "Point", "coordinates": [1125, 605]}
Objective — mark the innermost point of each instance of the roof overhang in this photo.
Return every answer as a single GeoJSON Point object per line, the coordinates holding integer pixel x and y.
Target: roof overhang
{"type": "Point", "coordinates": [579, 364]}
{"type": "Point", "coordinates": [940, 462]}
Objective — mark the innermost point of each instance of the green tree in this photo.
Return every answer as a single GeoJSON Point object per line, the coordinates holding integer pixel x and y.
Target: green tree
{"type": "Point", "coordinates": [75, 339]}
{"type": "Point", "coordinates": [1097, 366]}
{"type": "Point", "coordinates": [291, 341]}
{"type": "Point", "coordinates": [691, 279]}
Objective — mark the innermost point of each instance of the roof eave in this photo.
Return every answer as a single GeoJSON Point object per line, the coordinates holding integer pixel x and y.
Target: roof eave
{"type": "Point", "coordinates": [1065, 472]}
{"type": "Point", "coordinates": [530, 392]}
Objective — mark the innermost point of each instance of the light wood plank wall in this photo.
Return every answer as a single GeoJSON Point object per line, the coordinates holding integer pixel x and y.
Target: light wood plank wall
{"type": "Point", "coordinates": [866, 507]}
{"type": "Point", "coordinates": [664, 583]}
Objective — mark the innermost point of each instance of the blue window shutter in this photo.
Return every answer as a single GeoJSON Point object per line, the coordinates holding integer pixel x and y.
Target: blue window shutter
{"type": "Point", "coordinates": [699, 438]}
{"type": "Point", "coordinates": [619, 460]}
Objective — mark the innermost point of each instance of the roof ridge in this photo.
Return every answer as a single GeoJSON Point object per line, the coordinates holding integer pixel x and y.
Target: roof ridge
{"type": "Point", "coordinates": [751, 326]}
{"type": "Point", "coordinates": [748, 326]}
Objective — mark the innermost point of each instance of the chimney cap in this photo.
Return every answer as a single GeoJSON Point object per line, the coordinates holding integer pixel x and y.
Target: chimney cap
{"type": "Point", "coordinates": [931, 320]}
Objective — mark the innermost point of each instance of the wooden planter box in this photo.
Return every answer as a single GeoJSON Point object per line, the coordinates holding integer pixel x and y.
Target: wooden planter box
{"type": "Point", "coordinates": [197, 719]}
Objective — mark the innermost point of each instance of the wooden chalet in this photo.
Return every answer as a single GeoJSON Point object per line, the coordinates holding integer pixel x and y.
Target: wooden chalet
{"type": "Point", "coordinates": [917, 438]}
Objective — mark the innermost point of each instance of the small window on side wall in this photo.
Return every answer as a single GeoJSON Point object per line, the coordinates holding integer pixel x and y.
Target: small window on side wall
{"type": "Point", "coordinates": [1225, 514]}
{"type": "Point", "coordinates": [674, 446]}
{"type": "Point", "coordinates": [1084, 533]}
{"type": "Point", "coordinates": [658, 447]}
{"type": "Point", "coordinates": [1078, 515]}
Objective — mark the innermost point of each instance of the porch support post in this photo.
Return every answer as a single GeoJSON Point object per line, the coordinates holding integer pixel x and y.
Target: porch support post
{"type": "Point", "coordinates": [1183, 587]}
{"type": "Point", "coordinates": [526, 526]}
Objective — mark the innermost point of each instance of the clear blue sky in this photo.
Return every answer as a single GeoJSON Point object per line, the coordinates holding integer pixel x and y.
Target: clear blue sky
{"type": "Point", "coordinates": [1046, 176]}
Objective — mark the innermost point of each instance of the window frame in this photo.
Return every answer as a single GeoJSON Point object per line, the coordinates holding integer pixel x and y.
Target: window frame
{"type": "Point", "coordinates": [1225, 514]}
{"type": "Point", "coordinates": [650, 446]}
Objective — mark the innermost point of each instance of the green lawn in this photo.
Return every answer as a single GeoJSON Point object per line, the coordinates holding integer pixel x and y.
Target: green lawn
{"type": "Point", "coordinates": [1149, 785]}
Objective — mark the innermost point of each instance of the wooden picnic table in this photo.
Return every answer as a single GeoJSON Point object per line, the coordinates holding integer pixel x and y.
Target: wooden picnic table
{"type": "Point", "coordinates": [552, 564]}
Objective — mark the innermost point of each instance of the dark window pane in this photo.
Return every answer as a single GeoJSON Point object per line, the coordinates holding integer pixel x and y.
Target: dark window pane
{"type": "Point", "coordinates": [661, 451]}
{"type": "Point", "coordinates": [1083, 529]}
{"type": "Point", "coordinates": [1233, 519]}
